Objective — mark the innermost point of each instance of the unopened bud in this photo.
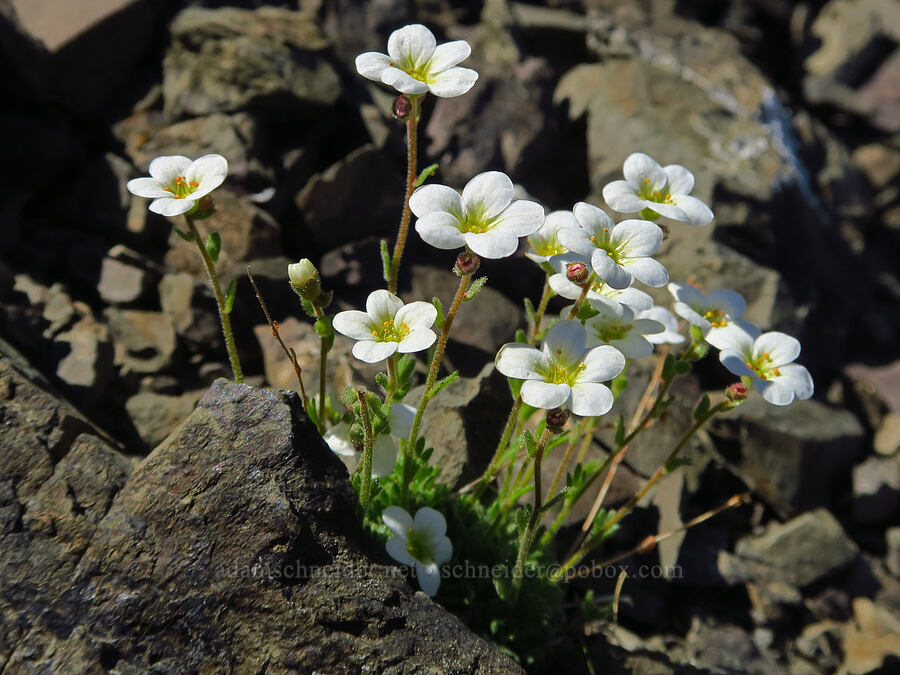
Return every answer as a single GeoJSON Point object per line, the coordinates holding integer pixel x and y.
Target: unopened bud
{"type": "Point", "coordinates": [737, 392]}
{"type": "Point", "coordinates": [401, 108]}
{"type": "Point", "coordinates": [357, 435]}
{"type": "Point", "coordinates": [577, 273]}
{"type": "Point", "coordinates": [203, 208]}
{"type": "Point", "coordinates": [304, 278]}
{"type": "Point", "coordinates": [556, 419]}
{"type": "Point", "coordinates": [466, 263]}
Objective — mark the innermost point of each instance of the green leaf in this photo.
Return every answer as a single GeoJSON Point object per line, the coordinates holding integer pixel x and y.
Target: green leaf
{"type": "Point", "coordinates": [425, 173]}
{"type": "Point", "coordinates": [529, 443]}
{"type": "Point", "coordinates": [325, 331]}
{"type": "Point", "coordinates": [620, 431]}
{"type": "Point", "coordinates": [308, 307]}
{"type": "Point", "coordinates": [381, 379]}
{"type": "Point", "coordinates": [678, 462]}
{"type": "Point", "coordinates": [187, 236]}
{"type": "Point", "coordinates": [682, 367]}
{"type": "Point", "coordinates": [443, 382]}
{"type": "Point", "coordinates": [586, 311]}
{"type": "Point", "coordinates": [348, 396]}
{"type": "Point", "coordinates": [521, 337]}
{"type": "Point", "coordinates": [515, 386]}
{"type": "Point", "coordinates": [618, 385]}
{"type": "Point", "coordinates": [229, 296]}
{"type": "Point", "coordinates": [702, 408]}
{"type": "Point", "coordinates": [529, 310]}
{"type": "Point", "coordinates": [405, 367]}
{"type": "Point", "coordinates": [385, 261]}
{"type": "Point", "coordinates": [439, 321]}
{"type": "Point", "coordinates": [554, 500]}
{"type": "Point", "coordinates": [214, 246]}
{"type": "Point", "coordinates": [475, 287]}
{"type": "Point", "coordinates": [523, 515]}
{"type": "Point", "coordinates": [668, 370]}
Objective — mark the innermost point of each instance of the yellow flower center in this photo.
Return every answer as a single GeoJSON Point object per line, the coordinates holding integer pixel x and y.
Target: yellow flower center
{"type": "Point", "coordinates": [612, 332]}
{"type": "Point", "coordinates": [390, 332]}
{"type": "Point", "coordinates": [659, 196]}
{"type": "Point", "coordinates": [181, 188]}
{"type": "Point", "coordinates": [761, 366]}
{"type": "Point", "coordinates": [716, 318]}
{"type": "Point", "coordinates": [418, 545]}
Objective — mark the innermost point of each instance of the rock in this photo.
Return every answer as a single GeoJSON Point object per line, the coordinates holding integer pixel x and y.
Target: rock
{"type": "Point", "coordinates": [892, 559]}
{"type": "Point", "coordinates": [880, 163]}
{"type": "Point", "coordinates": [728, 649]}
{"type": "Point", "coordinates": [145, 342]}
{"type": "Point", "coordinates": [872, 642]}
{"type": "Point", "coordinates": [156, 415]}
{"type": "Point", "coordinates": [359, 196]}
{"type": "Point", "coordinates": [235, 552]}
{"type": "Point", "coordinates": [792, 457]}
{"type": "Point", "coordinates": [191, 304]}
{"type": "Point", "coordinates": [231, 59]}
{"type": "Point", "coordinates": [799, 552]}
{"type": "Point", "coordinates": [887, 437]}
{"type": "Point", "coordinates": [876, 490]}
{"type": "Point", "coordinates": [125, 276]}
{"type": "Point", "coordinates": [87, 368]}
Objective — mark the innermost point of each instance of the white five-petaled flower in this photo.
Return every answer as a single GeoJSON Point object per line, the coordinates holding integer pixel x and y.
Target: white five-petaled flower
{"type": "Point", "coordinates": [768, 360]}
{"type": "Point", "coordinates": [545, 243]}
{"type": "Point", "coordinates": [176, 183]}
{"type": "Point", "coordinates": [618, 252]}
{"type": "Point", "coordinates": [669, 321]}
{"type": "Point", "coordinates": [416, 64]}
{"type": "Point", "coordinates": [662, 189]}
{"type": "Point", "coordinates": [419, 541]}
{"type": "Point", "coordinates": [564, 372]}
{"type": "Point", "coordinates": [387, 326]}
{"type": "Point", "coordinates": [713, 314]}
{"type": "Point", "coordinates": [485, 218]}
{"type": "Point", "coordinates": [600, 292]}
{"type": "Point", "coordinates": [384, 452]}
{"type": "Point", "coordinates": [620, 329]}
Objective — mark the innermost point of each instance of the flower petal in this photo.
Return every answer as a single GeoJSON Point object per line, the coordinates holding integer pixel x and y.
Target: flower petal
{"type": "Point", "coordinates": [633, 346]}
{"type": "Point", "coordinates": [736, 363]}
{"type": "Point", "coordinates": [372, 64]}
{"type": "Point", "coordinates": [612, 274]}
{"type": "Point", "coordinates": [338, 439]}
{"type": "Point", "coordinates": [169, 206]}
{"type": "Point", "coordinates": [419, 339]}
{"type": "Point", "coordinates": [590, 399]}
{"type": "Point", "coordinates": [436, 199]}
{"type": "Point", "coordinates": [545, 395]}
{"type": "Point", "coordinates": [443, 550]}
{"type": "Point", "coordinates": [488, 193]}
{"type": "Point", "coordinates": [430, 521]}
{"type": "Point", "coordinates": [398, 520]}
{"type": "Point", "coordinates": [565, 341]}
{"type": "Point", "coordinates": [601, 364]}
{"type": "Point", "coordinates": [520, 218]}
{"type": "Point", "coordinates": [384, 456]}
{"type": "Point", "coordinates": [209, 172]}
{"type": "Point", "coordinates": [633, 297]}
{"type": "Point", "coordinates": [576, 239]}
{"type": "Point", "coordinates": [429, 577]}
{"type": "Point", "coordinates": [776, 391]}
{"type": "Point", "coordinates": [417, 313]}
{"type": "Point", "coordinates": [668, 210]}
{"type": "Point", "coordinates": [413, 44]}
{"type": "Point", "coordinates": [799, 379]}
{"type": "Point", "coordinates": [370, 351]}
{"type": "Point", "coordinates": [403, 82]}
{"type": "Point", "coordinates": [641, 170]}
{"type": "Point", "coordinates": [441, 230]}
{"type": "Point", "coordinates": [166, 169]}
{"type": "Point", "coordinates": [592, 218]}
{"type": "Point", "coordinates": [354, 324]}
{"type": "Point", "coordinates": [637, 237]}
{"type": "Point", "coordinates": [519, 361]}
{"type": "Point", "coordinates": [780, 347]}
{"type": "Point", "coordinates": [621, 197]}
{"type": "Point", "coordinates": [562, 286]}
{"type": "Point", "coordinates": [681, 181]}
{"type": "Point", "coordinates": [453, 82]}
{"type": "Point", "coordinates": [401, 420]}
{"type": "Point", "coordinates": [382, 305]}
{"type": "Point", "coordinates": [648, 271]}
{"type": "Point", "coordinates": [396, 548]}
{"type": "Point", "coordinates": [735, 338]}
{"type": "Point", "coordinates": [147, 187]}
{"type": "Point", "coordinates": [696, 212]}
{"type": "Point", "coordinates": [731, 302]}
{"type": "Point", "coordinates": [492, 244]}
{"type": "Point", "coordinates": [448, 55]}
{"type": "Point", "coordinates": [690, 295]}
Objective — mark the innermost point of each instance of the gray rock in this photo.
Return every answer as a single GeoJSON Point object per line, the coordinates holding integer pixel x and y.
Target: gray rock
{"type": "Point", "coordinates": [230, 59]}
{"type": "Point", "coordinates": [125, 276]}
{"type": "Point", "coordinates": [156, 415]}
{"type": "Point", "coordinates": [876, 490]}
{"type": "Point", "coordinates": [191, 304]}
{"type": "Point", "coordinates": [145, 342]}
{"type": "Point", "coordinates": [87, 368]}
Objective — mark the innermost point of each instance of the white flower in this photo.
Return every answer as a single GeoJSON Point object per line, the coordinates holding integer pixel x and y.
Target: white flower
{"type": "Point", "coordinates": [387, 326]}
{"type": "Point", "coordinates": [669, 321]}
{"type": "Point", "coordinates": [384, 452]}
{"type": "Point", "coordinates": [421, 542]}
{"type": "Point", "coordinates": [713, 313]}
{"type": "Point", "coordinates": [662, 189]}
{"type": "Point", "coordinates": [600, 292]}
{"type": "Point", "coordinates": [544, 242]}
{"type": "Point", "coordinates": [768, 360]}
{"type": "Point", "coordinates": [564, 372]}
{"type": "Point", "coordinates": [620, 329]}
{"type": "Point", "coordinates": [618, 252]}
{"type": "Point", "coordinates": [176, 183]}
{"type": "Point", "coordinates": [415, 64]}
{"type": "Point", "coordinates": [485, 218]}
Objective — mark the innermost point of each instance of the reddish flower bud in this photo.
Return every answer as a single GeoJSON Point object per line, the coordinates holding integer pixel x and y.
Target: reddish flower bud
{"type": "Point", "coordinates": [466, 263]}
{"type": "Point", "coordinates": [737, 391]}
{"type": "Point", "coordinates": [556, 419]}
{"type": "Point", "coordinates": [577, 273]}
{"type": "Point", "coordinates": [401, 108]}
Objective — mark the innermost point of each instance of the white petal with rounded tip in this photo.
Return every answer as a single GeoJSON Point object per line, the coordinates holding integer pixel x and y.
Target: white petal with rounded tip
{"type": "Point", "coordinates": [448, 55]}
{"type": "Point", "coordinates": [398, 520]}
{"type": "Point", "coordinates": [453, 82]}
{"type": "Point", "coordinates": [382, 305]}
{"type": "Point", "coordinates": [169, 206]}
{"type": "Point", "coordinates": [441, 230]}
{"type": "Point", "coordinates": [209, 172]}
{"type": "Point", "coordinates": [557, 220]}
{"type": "Point", "coordinates": [735, 338]}
{"type": "Point", "coordinates": [520, 218]}
{"type": "Point", "coordinates": [735, 362]}
{"type": "Point", "coordinates": [401, 420]}
{"type": "Point", "coordinates": [621, 197]}
{"type": "Point", "coordinates": [493, 245]}
{"type": "Point", "coordinates": [429, 577]}
{"type": "Point", "coordinates": [565, 340]}
{"type": "Point", "coordinates": [489, 192]}
{"type": "Point", "coordinates": [590, 399]}
{"type": "Point", "coordinates": [780, 347]}
{"type": "Point", "coordinates": [372, 64]}
{"type": "Point", "coordinates": [562, 286]}
{"type": "Point", "coordinates": [633, 297]}
{"type": "Point", "coordinates": [414, 42]}
{"type": "Point", "coordinates": [396, 548]}
{"type": "Point", "coordinates": [167, 169]}
{"type": "Point", "coordinates": [800, 380]}
{"type": "Point", "coordinates": [443, 550]}
{"type": "Point", "coordinates": [338, 439]}
{"type": "Point", "coordinates": [430, 521]}
{"type": "Point", "coordinates": [384, 456]}
{"type": "Point", "coordinates": [418, 339]}
{"type": "Point", "coordinates": [639, 166]}
{"type": "Point", "coordinates": [436, 199]}
{"type": "Point", "coordinates": [519, 361]}
{"type": "Point", "coordinates": [403, 82]}
{"type": "Point", "coordinates": [687, 313]}
{"type": "Point", "coordinates": [690, 295]}
{"type": "Point", "coordinates": [731, 302]}
{"type": "Point", "coordinates": [696, 212]}
{"type": "Point", "coordinates": [776, 391]}
{"type": "Point", "coordinates": [545, 395]}
{"type": "Point", "coordinates": [641, 237]}
{"type": "Point", "coordinates": [648, 326]}
{"type": "Point", "coordinates": [147, 187]}
{"type": "Point", "coordinates": [718, 336]}
{"type": "Point", "coordinates": [681, 181]}
{"type": "Point", "coordinates": [601, 364]}
{"type": "Point", "coordinates": [667, 210]}
{"type": "Point", "coordinates": [648, 271]}
{"type": "Point", "coordinates": [592, 218]}
{"type": "Point", "coordinates": [354, 324]}
{"type": "Point", "coordinates": [576, 239]}
{"type": "Point", "coordinates": [417, 313]}
{"type": "Point", "coordinates": [611, 273]}
{"type": "Point", "coordinates": [373, 352]}
{"type": "Point", "coordinates": [634, 346]}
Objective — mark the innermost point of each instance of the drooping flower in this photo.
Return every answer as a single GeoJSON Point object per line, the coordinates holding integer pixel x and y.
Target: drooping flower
{"type": "Point", "coordinates": [768, 360]}
{"type": "Point", "coordinates": [712, 313]}
{"type": "Point", "coordinates": [419, 542]}
{"type": "Point", "coordinates": [618, 252]}
{"type": "Point", "coordinates": [662, 189]}
{"type": "Point", "coordinates": [384, 451]}
{"type": "Point", "coordinates": [545, 243]}
{"type": "Point", "coordinates": [620, 329]}
{"type": "Point", "coordinates": [416, 64]}
{"type": "Point", "coordinates": [387, 326]}
{"type": "Point", "coordinates": [669, 321]}
{"type": "Point", "coordinates": [564, 372]}
{"type": "Point", "coordinates": [485, 218]}
{"type": "Point", "coordinates": [176, 183]}
{"type": "Point", "coordinates": [600, 292]}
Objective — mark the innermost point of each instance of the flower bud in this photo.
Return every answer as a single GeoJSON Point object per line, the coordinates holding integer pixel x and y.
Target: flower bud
{"type": "Point", "coordinates": [401, 108]}
{"type": "Point", "coordinates": [466, 263]}
{"type": "Point", "coordinates": [204, 208]}
{"type": "Point", "coordinates": [577, 273]}
{"type": "Point", "coordinates": [357, 435]}
{"type": "Point", "coordinates": [737, 392]}
{"type": "Point", "coordinates": [556, 419]}
{"type": "Point", "coordinates": [304, 278]}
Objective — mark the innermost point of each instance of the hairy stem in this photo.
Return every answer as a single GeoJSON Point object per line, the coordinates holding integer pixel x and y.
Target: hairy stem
{"type": "Point", "coordinates": [528, 535]}
{"type": "Point", "coordinates": [412, 123]}
{"type": "Point", "coordinates": [365, 467]}
{"type": "Point", "coordinates": [539, 312]}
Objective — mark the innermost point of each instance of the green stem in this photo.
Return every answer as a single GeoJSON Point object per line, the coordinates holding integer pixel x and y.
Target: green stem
{"type": "Point", "coordinates": [412, 123]}
{"type": "Point", "coordinates": [481, 483]}
{"type": "Point", "coordinates": [323, 367]}
{"type": "Point", "coordinates": [528, 534]}
{"type": "Point", "coordinates": [365, 488]}
{"type": "Point", "coordinates": [580, 301]}
{"type": "Point", "coordinates": [539, 312]}
{"type": "Point", "coordinates": [220, 302]}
